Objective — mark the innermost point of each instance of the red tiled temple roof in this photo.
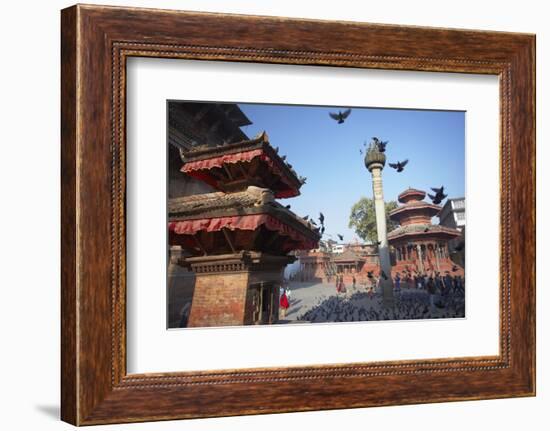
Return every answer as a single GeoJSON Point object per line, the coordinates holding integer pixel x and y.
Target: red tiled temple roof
{"type": "Point", "coordinates": [200, 163]}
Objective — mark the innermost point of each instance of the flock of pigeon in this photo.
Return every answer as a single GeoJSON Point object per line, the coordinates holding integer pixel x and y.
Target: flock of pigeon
{"type": "Point", "coordinates": [436, 198]}
{"type": "Point", "coordinates": [360, 307]}
{"type": "Point", "coordinates": [340, 117]}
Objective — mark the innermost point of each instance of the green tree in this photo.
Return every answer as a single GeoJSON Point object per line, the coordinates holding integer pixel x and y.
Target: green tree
{"type": "Point", "coordinates": [363, 218]}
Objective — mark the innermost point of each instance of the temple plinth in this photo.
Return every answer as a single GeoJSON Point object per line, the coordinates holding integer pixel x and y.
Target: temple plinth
{"type": "Point", "coordinates": [237, 240]}
{"type": "Point", "coordinates": [375, 160]}
{"type": "Point", "coordinates": [420, 247]}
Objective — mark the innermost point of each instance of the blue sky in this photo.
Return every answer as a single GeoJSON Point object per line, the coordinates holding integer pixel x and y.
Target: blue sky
{"type": "Point", "coordinates": [327, 153]}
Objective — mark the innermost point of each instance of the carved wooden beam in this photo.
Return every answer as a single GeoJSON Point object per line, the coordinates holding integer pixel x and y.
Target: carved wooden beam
{"type": "Point", "coordinates": [227, 236]}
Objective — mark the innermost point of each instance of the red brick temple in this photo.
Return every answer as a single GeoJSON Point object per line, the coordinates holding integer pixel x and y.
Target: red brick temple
{"type": "Point", "coordinates": [418, 245]}
{"type": "Point", "coordinates": [323, 266]}
{"type": "Point", "coordinates": [237, 240]}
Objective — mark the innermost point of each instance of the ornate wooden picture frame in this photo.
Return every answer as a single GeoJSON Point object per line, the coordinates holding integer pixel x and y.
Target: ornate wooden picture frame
{"type": "Point", "coordinates": [96, 41]}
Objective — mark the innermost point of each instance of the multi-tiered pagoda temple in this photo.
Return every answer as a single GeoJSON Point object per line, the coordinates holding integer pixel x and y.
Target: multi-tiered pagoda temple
{"type": "Point", "coordinates": [237, 240]}
{"type": "Point", "coordinates": [419, 246]}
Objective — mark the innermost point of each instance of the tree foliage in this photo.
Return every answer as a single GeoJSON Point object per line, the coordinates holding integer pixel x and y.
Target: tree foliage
{"type": "Point", "coordinates": [363, 218]}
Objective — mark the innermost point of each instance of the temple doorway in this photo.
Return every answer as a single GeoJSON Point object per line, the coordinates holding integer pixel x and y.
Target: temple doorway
{"type": "Point", "coordinates": [263, 301]}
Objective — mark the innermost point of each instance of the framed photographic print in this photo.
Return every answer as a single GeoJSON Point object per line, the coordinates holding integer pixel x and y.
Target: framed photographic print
{"type": "Point", "coordinates": [254, 210]}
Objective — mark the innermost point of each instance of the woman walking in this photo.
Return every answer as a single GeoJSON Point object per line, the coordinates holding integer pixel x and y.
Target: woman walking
{"type": "Point", "coordinates": [283, 304]}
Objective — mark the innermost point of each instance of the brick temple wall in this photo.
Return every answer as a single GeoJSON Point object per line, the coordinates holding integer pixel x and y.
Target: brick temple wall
{"type": "Point", "coordinates": [219, 299]}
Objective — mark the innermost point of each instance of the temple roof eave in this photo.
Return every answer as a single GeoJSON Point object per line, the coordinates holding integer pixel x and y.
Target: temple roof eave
{"type": "Point", "coordinates": [412, 208]}
{"type": "Point", "coordinates": [204, 158]}
{"type": "Point", "coordinates": [250, 202]}
{"type": "Point", "coordinates": [439, 234]}
{"type": "Point", "coordinates": [410, 193]}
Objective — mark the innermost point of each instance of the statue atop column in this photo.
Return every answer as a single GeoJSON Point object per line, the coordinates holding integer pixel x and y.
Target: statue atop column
{"type": "Point", "coordinates": [375, 160]}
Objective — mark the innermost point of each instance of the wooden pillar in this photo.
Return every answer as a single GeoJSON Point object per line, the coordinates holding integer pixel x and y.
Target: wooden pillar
{"type": "Point", "coordinates": [419, 255]}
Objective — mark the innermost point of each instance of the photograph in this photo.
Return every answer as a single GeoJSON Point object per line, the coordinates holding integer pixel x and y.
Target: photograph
{"type": "Point", "coordinates": [297, 214]}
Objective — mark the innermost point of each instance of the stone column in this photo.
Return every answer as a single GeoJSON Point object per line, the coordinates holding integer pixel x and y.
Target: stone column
{"type": "Point", "coordinates": [383, 249]}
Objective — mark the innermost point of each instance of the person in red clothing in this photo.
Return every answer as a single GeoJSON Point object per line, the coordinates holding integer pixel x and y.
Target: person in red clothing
{"type": "Point", "coordinates": [283, 304]}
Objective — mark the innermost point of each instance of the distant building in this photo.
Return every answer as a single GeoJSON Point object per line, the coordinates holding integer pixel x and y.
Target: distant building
{"type": "Point", "coordinates": [338, 248]}
{"type": "Point", "coordinates": [453, 215]}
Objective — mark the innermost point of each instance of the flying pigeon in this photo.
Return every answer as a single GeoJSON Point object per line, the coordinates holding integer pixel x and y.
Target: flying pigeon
{"type": "Point", "coordinates": [381, 145]}
{"type": "Point", "coordinates": [439, 195]}
{"type": "Point", "coordinates": [340, 236]}
{"type": "Point", "coordinates": [341, 116]}
{"type": "Point", "coordinates": [399, 166]}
